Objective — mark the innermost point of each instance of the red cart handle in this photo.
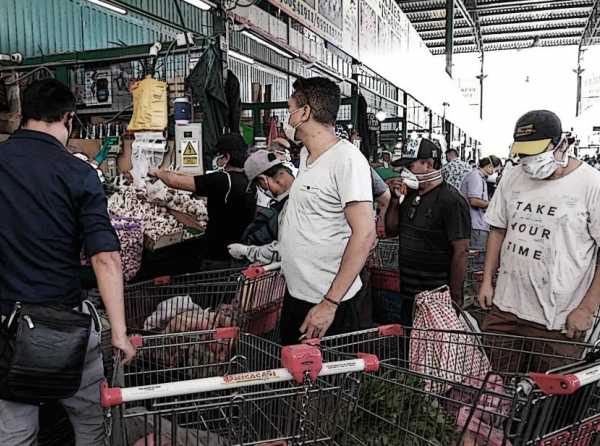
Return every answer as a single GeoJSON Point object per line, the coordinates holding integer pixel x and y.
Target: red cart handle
{"type": "Point", "coordinates": [557, 384]}
{"type": "Point", "coordinates": [254, 271]}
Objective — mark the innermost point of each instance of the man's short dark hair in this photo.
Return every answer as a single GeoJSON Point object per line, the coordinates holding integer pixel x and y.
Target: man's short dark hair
{"type": "Point", "coordinates": [273, 171]}
{"type": "Point", "coordinates": [322, 95]}
{"type": "Point", "coordinates": [235, 146]}
{"type": "Point", "coordinates": [493, 160]}
{"type": "Point", "coordinates": [47, 100]}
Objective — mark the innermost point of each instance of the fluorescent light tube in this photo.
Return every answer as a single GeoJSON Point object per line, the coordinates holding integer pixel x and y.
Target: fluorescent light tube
{"type": "Point", "coordinates": [204, 6]}
{"type": "Point", "coordinates": [268, 45]}
{"type": "Point", "coordinates": [239, 56]}
{"type": "Point", "coordinates": [110, 6]}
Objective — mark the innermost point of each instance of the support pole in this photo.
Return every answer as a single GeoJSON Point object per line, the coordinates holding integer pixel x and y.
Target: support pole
{"type": "Point", "coordinates": [481, 78]}
{"type": "Point", "coordinates": [578, 72]}
{"type": "Point", "coordinates": [449, 35]}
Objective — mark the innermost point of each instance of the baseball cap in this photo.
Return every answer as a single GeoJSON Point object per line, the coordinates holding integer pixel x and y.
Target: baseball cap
{"type": "Point", "coordinates": [534, 131]}
{"type": "Point", "coordinates": [416, 149]}
{"type": "Point", "coordinates": [231, 142]}
{"type": "Point", "coordinates": [258, 163]}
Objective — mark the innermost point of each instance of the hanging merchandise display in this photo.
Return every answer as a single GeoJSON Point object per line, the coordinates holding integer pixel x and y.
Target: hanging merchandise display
{"type": "Point", "coordinates": [206, 84]}
{"type": "Point", "coordinates": [234, 100]}
{"type": "Point", "coordinates": [147, 152]}
{"type": "Point", "coordinates": [150, 111]}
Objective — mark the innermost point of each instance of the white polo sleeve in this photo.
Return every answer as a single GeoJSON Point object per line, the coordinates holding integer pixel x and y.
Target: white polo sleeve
{"type": "Point", "coordinates": [353, 177]}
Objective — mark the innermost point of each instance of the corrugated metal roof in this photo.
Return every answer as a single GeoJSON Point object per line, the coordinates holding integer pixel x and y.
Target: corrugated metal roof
{"type": "Point", "coordinates": [38, 27]}
{"type": "Point", "coordinates": [504, 24]}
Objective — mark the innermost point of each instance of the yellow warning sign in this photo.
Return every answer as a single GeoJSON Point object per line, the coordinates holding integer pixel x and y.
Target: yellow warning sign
{"type": "Point", "coordinates": [190, 157]}
{"type": "Point", "coordinates": [189, 150]}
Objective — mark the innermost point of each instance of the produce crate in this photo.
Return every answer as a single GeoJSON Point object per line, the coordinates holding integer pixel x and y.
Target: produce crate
{"type": "Point", "coordinates": [163, 241]}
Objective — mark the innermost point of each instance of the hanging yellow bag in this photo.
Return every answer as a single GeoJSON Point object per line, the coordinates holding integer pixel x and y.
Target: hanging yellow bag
{"type": "Point", "coordinates": [149, 105]}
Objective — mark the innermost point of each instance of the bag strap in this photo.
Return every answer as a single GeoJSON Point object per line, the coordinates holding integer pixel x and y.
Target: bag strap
{"type": "Point", "coordinates": [94, 314]}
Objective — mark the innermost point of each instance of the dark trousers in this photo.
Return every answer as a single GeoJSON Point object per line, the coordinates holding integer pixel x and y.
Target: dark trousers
{"type": "Point", "coordinates": [294, 312]}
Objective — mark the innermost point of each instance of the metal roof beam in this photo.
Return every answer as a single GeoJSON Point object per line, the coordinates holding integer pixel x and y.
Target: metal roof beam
{"type": "Point", "coordinates": [435, 24]}
{"type": "Point", "coordinates": [520, 43]}
{"type": "Point", "coordinates": [591, 28]}
{"type": "Point", "coordinates": [470, 14]}
{"type": "Point", "coordinates": [510, 37]}
{"type": "Point", "coordinates": [530, 5]}
{"type": "Point", "coordinates": [505, 29]}
{"type": "Point", "coordinates": [507, 46]}
{"type": "Point", "coordinates": [416, 6]}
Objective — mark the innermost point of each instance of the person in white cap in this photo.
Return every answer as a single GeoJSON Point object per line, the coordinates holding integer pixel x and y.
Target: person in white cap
{"type": "Point", "coordinates": [273, 178]}
{"type": "Point", "coordinates": [545, 235]}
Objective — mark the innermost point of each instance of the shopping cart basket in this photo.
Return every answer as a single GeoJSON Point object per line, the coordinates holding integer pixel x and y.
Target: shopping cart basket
{"type": "Point", "coordinates": [475, 264]}
{"type": "Point", "coordinates": [250, 298]}
{"type": "Point", "coordinates": [385, 255]}
{"type": "Point", "coordinates": [536, 392]}
{"type": "Point", "coordinates": [384, 277]}
{"type": "Point", "coordinates": [222, 387]}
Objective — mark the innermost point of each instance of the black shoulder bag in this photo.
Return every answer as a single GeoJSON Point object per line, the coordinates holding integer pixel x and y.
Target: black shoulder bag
{"type": "Point", "coordinates": [42, 353]}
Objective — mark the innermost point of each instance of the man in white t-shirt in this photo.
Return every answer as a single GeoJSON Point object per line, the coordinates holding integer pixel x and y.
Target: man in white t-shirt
{"type": "Point", "coordinates": [545, 233]}
{"type": "Point", "coordinates": [328, 227]}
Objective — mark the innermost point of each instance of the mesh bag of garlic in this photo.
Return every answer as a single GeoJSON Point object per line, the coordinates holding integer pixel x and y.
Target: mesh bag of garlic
{"type": "Point", "coordinates": [131, 237]}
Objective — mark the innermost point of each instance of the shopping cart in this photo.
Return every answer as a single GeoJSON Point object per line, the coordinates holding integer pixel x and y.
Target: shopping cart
{"type": "Point", "coordinates": [250, 298]}
{"type": "Point", "coordinates": [508, 390]}
{"type": "Point", "coordinates": [384, 277]}
{"type": "Point", "coordinates": [385, 255]}
{"type": "Point", "coordinates": [222, 387]}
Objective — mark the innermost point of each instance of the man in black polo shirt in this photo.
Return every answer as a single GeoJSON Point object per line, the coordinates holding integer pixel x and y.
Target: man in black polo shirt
{"type": "Point", "coordinates": [434, 227]}
{"type": "Point", "coordinates": [231, 207]}
{"type": "Point", "coordinates": [52, 204]}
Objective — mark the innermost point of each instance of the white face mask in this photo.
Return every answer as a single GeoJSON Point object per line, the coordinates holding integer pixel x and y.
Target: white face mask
{"type": "Point", "coordinates": [289, 129]}
{"type": "Point", "coordinates": [215, 163]}
{"type": "Point", "coordinates": [540, 167]}
{"type": "Point", "coordinates": [267, 190]}
{"type": "Point", "coordinates": [268, 193]}
{"type": "Point", "coordinates": [410, 179]}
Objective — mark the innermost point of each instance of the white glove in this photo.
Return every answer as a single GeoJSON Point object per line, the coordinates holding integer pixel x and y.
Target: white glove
{"type": "Point", "coordinates": [238, 251]}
